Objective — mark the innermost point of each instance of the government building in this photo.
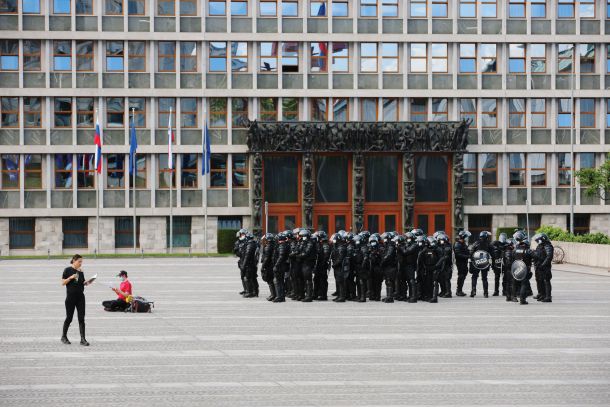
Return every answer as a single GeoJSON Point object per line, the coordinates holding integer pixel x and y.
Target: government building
{"type": "Point", "coordinates": [345, 114]}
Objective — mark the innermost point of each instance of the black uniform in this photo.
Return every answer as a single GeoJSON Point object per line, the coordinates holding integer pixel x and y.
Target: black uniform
{"type": "Point", "coordinates": [296, 276]}
{"type": "Point", "coordinates": [447, 271]}
{"type": "Point", "coordinates": [267, 267]}
{"type": "Point", "coordinates": [430, 265]}
{"type": "Point", "coordinates": [280, 269]}
{"type": "Point", "coordinates": [479, 245]}
{"type": "Point", "coordinates": [362, 270]}
{"type": "Point", "coordinates": [320, 280]}
{"type": "Point", "coordinates": [349, 272]}
{"type": "Point", "coordinates": [307, 256]}
{"type": "Point", "coordinates": [248, 263]}
{"type": "Point", "coordinates": [409, 252]}
{"type": "Point", "coordinates": [75, 299]}
{"type": "Point", "coordinates": [497, 250]}
{"type": "Point", "coordinates": [520, 252]}
{"type": "Point", "coordinates": [401, 274]}
{"type": "Point", "coordinates": [462, 254]}
{"type": "Point", "coordinates": [543, 259]}
{"type": "Point", "coordinates": [373, 260]}
{"type": "Point", "coordinates": [238, 249]}
{"type": "Point", "coordinates": [389, 266]}
{"type": "Point", "coordinates": [338, 256]}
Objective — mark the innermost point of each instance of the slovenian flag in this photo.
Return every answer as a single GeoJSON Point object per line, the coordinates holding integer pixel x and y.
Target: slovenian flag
{"type": "Point", "coordinates": [170, 141]}
{"type": "Point", "coordinates": [207, 154]}
{"type": "Point", "coordinates": [98, 146]}
{"type": "Point", "coordinates": [133, 145]}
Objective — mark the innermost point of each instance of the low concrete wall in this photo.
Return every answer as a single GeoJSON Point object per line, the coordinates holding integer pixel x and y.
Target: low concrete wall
{"type": "Point", "coordinates": [586, 254]}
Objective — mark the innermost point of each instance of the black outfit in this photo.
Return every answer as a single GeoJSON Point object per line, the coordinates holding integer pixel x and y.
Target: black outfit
{"type": "Point", "coordinates": [115, 305]}
{"type": "Point", "coordinates": [362, 270]}
{"type": "Point", "coordinates": [320, 279]}
{"type": "Point", "coordinates": [497, 250]}
{"type": "Point", "coordinates": [485, 246]}
{"type": "Point", "coordinates": [339, 254]}
{"type": "Point", "coordinates": [401, 275]}
{"type": "Point", "coordinates": [410, 254]}
{"type": "Point", "coordinates": [543, 258]}
{"type": "Point", "coordinates": [247, 263]}
{"type": "Point", "coordinates": [374, 256]}
{"type": "Point", "coordinates": [430, 265]}
{"type": "Point", "coordinates": [75, 299]}
{"type": "Point", "coordinates": [510, 284]}
{"type": "Point", "coordinates": [280, 269]}
{"type": "Point", "coordinates": [349, 272]}
{"type": "Point", "coordinates": [307, 256]}
{"type": "Point", "coordinates": [521, 252]}
{"type": "Point", "coordinates": [238, 249]}
{"type": "Point", "coordinates": [462, 254]}
{"type": "Point", "coordinates": [267, 267]}
{"type": "Point", "coordinates": [296, 276]}
{"type": "Point", "coordinates": [447, 271]}
{"type": "Point", "coordinates": [389, 266]}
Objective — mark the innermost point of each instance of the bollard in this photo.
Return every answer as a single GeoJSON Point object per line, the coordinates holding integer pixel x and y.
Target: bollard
{"type": "Point", "coordinates": [48, 254]}
{"type": "Point", "coordinates": [190, 253]}
{"type": "Point", "coordinates": [142, 253]}
{"type": "Point", "coordinates": [95, 253]}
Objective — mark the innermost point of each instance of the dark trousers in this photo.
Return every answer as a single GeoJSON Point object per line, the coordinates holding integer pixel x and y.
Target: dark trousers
{"type": "Point", "coordinates": [462, 270]}
{"type": "Point", "coordinates": [75, 301]}
{"type": "Point", "coordinates": [115, 305]}
{"type": "Point", "coordinates": [320, 283]}
{"type": "Point", "coordinates": [475, 276]}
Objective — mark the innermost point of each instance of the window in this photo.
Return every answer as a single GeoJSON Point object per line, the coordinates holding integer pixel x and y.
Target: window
{"type": "Point", "coordinates": [564, 167]}
{"type": "Point", "coordinates": [114, 56]}
{"type": "Point", "coordinates": [240, 170]}
{"type": "Point", "coordinates": [32, 112]}
{"type": "Point", "coordinates": [31, 55]}
{"type": "Point", "coordinates": [85, 56]}
{"type": "Point", "coordinates": [188, 178]}
{"type": "Point", "coordinates": [419, 110]}
{"type": "Point", "coordinates": [439, 8]}
{"type": "Point", "coordinates": [123, 232]}
{"type": "Point", "coordinates": [114, 7]}
{"type": "Point", "coordinates": [340, 109]}
{"type": "Point", "coordinates": [62, 55]}
{"type": "Point", "coordinates": [217, 8]}
{"type": "Point", "coordinates": [587, 113]}
{"type": "Point", "coordinates": [85, 171]}
{"type": "Point", "coordinates": [368, 109]}
{"type": "Point", "coordinates": [239, 8]}
{"type": "Point", "coordinates": [440, 111]}
{"type": "Point", "coordinates": [218, 112]}
{"type": "Point", "coordinates": [10, 171]}
{"type": "Point", "coordinates": [468, 8]}
{"type": "Point", "coordinates": [137, 56]}
{"type": "Point", "coordinates": [62, 112]}
{"type": "Point", "coordinates": [582, 223]}
{"type": "Point", "coordinates": [9, 55]}
{"type": "Point", "coordinates": [470, 170]}
{"type": "Point", "coordinates": [419, 8]}
{"type": "Point", "coordinates": [565, 9]}
{"type": "Point", "coordinates": [218, 57]}
{"type": "Point", "coordinates": [340, 8]}
{"type": "Point", "coordinates": [587, 8]}
{"type": "Point", "coordinates": [75, 231]}
{"type": "Point", "coordinates": [115, 112]}
{"type": "Point", "coordinates": [565, 58]}
{"type": "Point", "coordinates": [290, 8]}
{"type": "Point", "coordinates": [61, 6]}
{"type": "Point", "coordinates": [137, 110]}
{"type": "Point", "coordinates": [587, 58]}
{"type": "Point", "coordinates": [268, 57]}
{"type": "Point", "coordinates": [389, 57]}
{"type": "Point", "coordinates": [516, 9]}
{"type": "Point", "coordinates": [319, 109]}
{"type": "Point", "coordinates": [587, 160]}
{"type": "Point", "coordinates": [468, 110]}
{"type": "Point", "coordinates": [21, 233]}
{"type": "Point", "coordinates": [30, 6]}
{"type": "Point", "coordinates": [318, 52]}
{"type": "Point", "coordinates": [564, 117]}
{"type": "Point", "coordinates": [317, 8]}
{"type": "Point", "coordinates": [136, 7]}
{"type": "Point", "coordinates": [290, 109]}
{"type": "Point", "coordinates": [381, 178]}
{"type": "Point", "coordinates": [489, 113]}
{"type": "Point", "coordinates": [84, 112]}
{"type": "Point", "coordinates": [516, 113]}
{"type": "Point", "coordinates": [267, 109]}
{"type": "Point", "coordinates": [538, 8]}
{"type": "Point", "coordinates": [181, 233]}
{"type": "Point", "coordinates": [290, 57]}
{"type": "Point", "coordinates": [165, 174]}
{"type": "Point", "coordinates": [218, 171]}
{"type": "Point", "coordinates": [368, 57]}
{"type": "Point", "coordinates": [389, 8]}
{"type": "Point", "coordinates": [167, 56]}
{"type": "Point", "coordinates": [390, 109]}
{"type": "Point", "coordinates": [516, 61]}
{"type": "Point", "coordinates": [115, 169]}
{"type": "Point", "coordinates": [489, 169]}
{"type": "Point", "coordinates": [516, 169]}
{"type": "Point", "coordinates": [141, 171]}
{"type": "Point", "coordinates": [63, 171]}
{"type": "Point", "coordinates": [368, 8]}
{"type": "Point", "coordinates": [468, 58]}
{"type": "Point", "coordinates": [239, 56]}
{"type": "Point", "coordinates": [267, 8]}
{"type": "Point", "coordinates": [538, 107]}
{"type": "Point", "coordinates": [478, 223]}
{"type": "Point", "coordinates": [188, 56]}
{"type": "Point", "coordinates": [8, 7]}
{"type": "Point", "coordinates": [608, 113]}
{"type": "Point", "coordinates": [439, 58]}
{"type": "Point", "coordinates": [608, 51]}
{"type": "Point", "coordinates": [166, 8]}
{"type": "Point", "coordinates": [488, 58]}
{"type": "Point", "coordinates": [332, 179]}
{"type": "Point", "coordinates": [538, 169]}
{"type": "Point", "coordinates": [84, 7]}
{"type": "Point", "coordinates": [488, 8]}
{"type": "Point", "coordinates": [166, 106]}
{"type": "Point", "coordinates": [188, 113]}
{"type": "Point", "coordinates": [10, 111]}
{"type": "Point", "coordinates": [188, 7]}
{"type": "Point", "coordinates": [239, 110]}
{"type": "Point", "coordinates": [419, 57]}
{"type": "Point", "coordinates": [340, 57]}
{"type": "Point", "coordinates": [538, 58]}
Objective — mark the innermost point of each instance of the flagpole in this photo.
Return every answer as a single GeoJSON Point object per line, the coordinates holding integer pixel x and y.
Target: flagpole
{"type": "Point", "coordinates": [133, 169]}
{"type": "Point", "coordinates": [171, 185]}
{"type": "Point", "coordinates": [205, 178]}
{"type": "Point", "coordinates": [97, 188]}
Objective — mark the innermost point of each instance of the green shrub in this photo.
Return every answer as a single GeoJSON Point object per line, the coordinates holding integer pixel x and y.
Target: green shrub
{"type": "Point", "coordinates": [558, 234]}
{"type": "Point", "coordinates": [509, 232]}
{"type": "Point", "coordinates": [226, 240]}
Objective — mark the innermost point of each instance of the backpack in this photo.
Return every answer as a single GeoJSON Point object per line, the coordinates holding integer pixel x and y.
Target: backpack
{"type": "Point", "coordinates": [141, 304]}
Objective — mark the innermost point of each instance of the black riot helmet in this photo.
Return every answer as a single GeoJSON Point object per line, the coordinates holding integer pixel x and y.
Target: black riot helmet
{"type": "Point", "coordinates": [374, 240]}
{"type": "Point", "coordinates": [242, 234]}
{"type": "Point", "coordinates": [431, 241]}
{"type": "Point", "coordinates": [322, 236]}
{"type": "Point", "coordinates": [421, 241]}
{"type": "Point", "coordinates": [268, 237]}
{"type": "Point", "coordinates": [358, 240]}
{"type": "Point", "coordinates": [386, 236]}
{"type": "Point", "coordinates": [399, 240]}
{"type": "Point", "coordinates": [418, 232]}
{"type": "Point", "coordinates": [503, 238]}
{"type": "Point", "coordinates": [304, 234]}
{"type": "Point", "coordinates": [464, 235]}
{"type": "Point", "coordinates": [540, 238]}
{"type": "Point", "coordinates": [410, 237]}
{"type": "Point", "coordinates": [442, 238]}
{"type": "Point", "coordinates": [350, 236]}
{"type": "Point", "coordinates": [281, 237]}
{"type": "Point", "coordinates": [519, 236]}
{"type": "Point", "coordinates": [365, 235]}
{"type": "Point", "coordinates": [485, 235]}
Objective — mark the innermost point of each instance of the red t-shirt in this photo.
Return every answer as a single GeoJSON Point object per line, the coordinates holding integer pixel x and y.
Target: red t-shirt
{"type": "Point", "coordinates": [126, 288]}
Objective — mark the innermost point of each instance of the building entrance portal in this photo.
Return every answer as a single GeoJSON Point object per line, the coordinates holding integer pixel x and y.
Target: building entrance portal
{"type": "Point", "coordinates": [432, 211]}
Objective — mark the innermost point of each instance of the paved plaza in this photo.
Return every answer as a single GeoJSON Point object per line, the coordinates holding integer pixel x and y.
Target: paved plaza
{"type": "Point", "coordinates": [204, 345]}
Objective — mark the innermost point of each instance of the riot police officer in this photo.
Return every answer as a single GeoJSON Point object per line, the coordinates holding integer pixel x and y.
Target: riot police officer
{"type": "Point", "coordinates": [320, 281]}
{"type": "Point", "coordinates": [269, 245]}
{"type": "Point", "coordinates": [521, 252]}
{"type": "Point", "coordinates": [400, 242]}
{"type": "Point", "coordinates": [410, 251]}
{"type": "Point", "coordinates": [296, 275]}
{"type": "Point", "coordinates": [248, 263]}
{"type": "Point", "coordinates": [373, 262]}
{"type": "Point", "coordinates": [238, 250]}
{"type": "Point", "coordinates": [389, 265]}
{"type": "Point", "coordinates": [348, 268]}
{"type": "Point", "coordinates": [307, 256]}
{"type": "Point", "coordinates": [338, 255]}
{"type": "Point", "coordinates": [280, 266]}
{"type": "Point", "coordinates": [360, 267]}
{"type": "Point", "coordinates": [462, 255]}
{"type": "Point", "coordinates": [497, 248]}
{"type": "Point", "coordinates": [543, 259]}
{"type": "Point", "coordinates": [481, 244]}
{"type": "Point", "coordinates": [447, 271]}
{"type": "Point", "coordinates": [430, 264]}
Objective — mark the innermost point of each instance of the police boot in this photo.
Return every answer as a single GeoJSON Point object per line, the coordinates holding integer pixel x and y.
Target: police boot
{"type": "Point", "coordinates": [255, 283]}
{"type": "Point", "coordinates": [434, 298]}
{"type": "Point", "coordinates": [279, 292]}
{"type": "Point", "coordinates": [442, 289]}
{"type": "Point", "coordinates": [522, 301]}
{"type": "Point", "coordinates": [308, 292]}
{"type": "Point", "coordinates": [272, 294]}
{"type": "Point", "coordinates": [342, 292]}
{"type": "Point", "coordinates": [473, 291]}
{"type": "Point", "coordinates": [460, 286]}
{"type": "Point", "coordinates": [363, 286]}
{"type": "Point", "coordinates": [81, 328]}
{"type": "Point", "coordinates": [389, 290]}
{"type": "Point", "coordinates": [496, 285]}
{"type": "Point", "coordinates": [447, 289]}
{"type": "Point", "coordinates": [336, 293]}
{"type": "Point", "coordinates": [547, 291]}
{"type": "Point", "coordinates": [64, 334]}
{"type": "Point", "coordinates": [485, 287]}
{"type": "Point", "coordinates": [413, 292]}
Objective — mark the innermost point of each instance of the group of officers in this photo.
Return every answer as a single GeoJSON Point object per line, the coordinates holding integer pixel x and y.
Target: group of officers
{"type": "Point", "coordinates": [415, 267]}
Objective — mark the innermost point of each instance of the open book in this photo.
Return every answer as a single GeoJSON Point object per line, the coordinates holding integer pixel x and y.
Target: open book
{"type": "Point", "coordinates": [92, 279]}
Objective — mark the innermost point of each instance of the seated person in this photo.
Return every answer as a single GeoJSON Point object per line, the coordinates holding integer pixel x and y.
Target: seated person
{"type": "Point", "coordinates": [124, 290]}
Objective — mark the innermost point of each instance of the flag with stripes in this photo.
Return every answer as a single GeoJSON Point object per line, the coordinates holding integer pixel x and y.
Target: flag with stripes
{"type": "Point", "coordinates": [170, 141]}
{"type": "Point", "coordinates": [98, 146]}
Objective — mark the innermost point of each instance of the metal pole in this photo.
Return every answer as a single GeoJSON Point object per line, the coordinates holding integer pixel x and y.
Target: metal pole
{"type": "Point", "coordinates": [171, 186]}
{"type": "Point", "coordinates": [97, 205]}
{"type": "Point", "coordinates": [527, 218]}
{"type": "Point", "coordinates": [572, 119]}
{"type": "Point", "coordinates": [266, 217]}
{"type": "Point", "coordinates": [205, 179]}
{"type": "Point", "coordinates": [133, 169]}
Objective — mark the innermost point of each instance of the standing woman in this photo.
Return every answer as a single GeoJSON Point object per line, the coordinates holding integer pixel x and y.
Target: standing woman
{"type": "Point", "coordinates": [74, 280]}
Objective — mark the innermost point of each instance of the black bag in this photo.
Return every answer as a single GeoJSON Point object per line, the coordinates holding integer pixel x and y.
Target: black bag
{"type": "Point", "coordinates": [141, 304]}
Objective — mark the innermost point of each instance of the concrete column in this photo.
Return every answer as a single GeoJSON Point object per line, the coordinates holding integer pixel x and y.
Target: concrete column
{"type": "Point", "coordinates": [556, 219]}
{"type": "Point", "coordinates": [153, 236]}
{"type": "Point", "coordinates": [49, 237]}
{"type": "Point", "coordinates": [4, 236]}
{"type": "Point", "coordinates": [106, 234]}
{"type": "Point", "coordinates": [599, 223]}
{"type": "Point", "coordinates": [198, 235]}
